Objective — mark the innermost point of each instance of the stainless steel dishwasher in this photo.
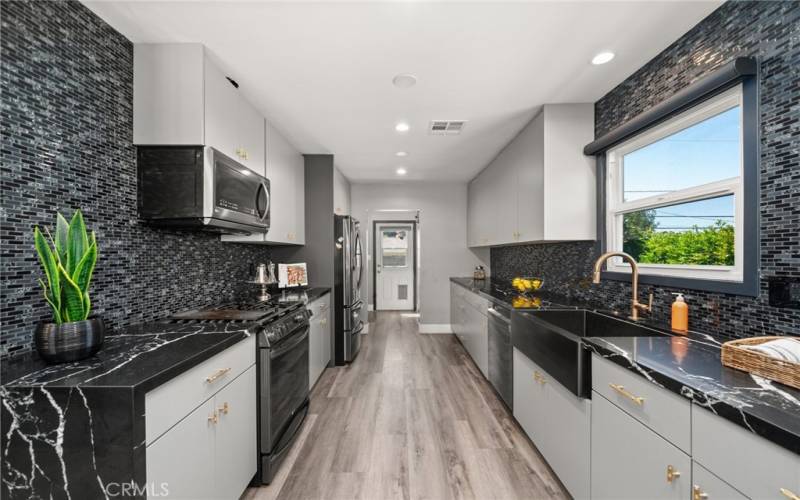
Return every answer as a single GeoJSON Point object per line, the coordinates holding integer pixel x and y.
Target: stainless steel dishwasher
{"type": "Point", "coordinates": [501, 356]}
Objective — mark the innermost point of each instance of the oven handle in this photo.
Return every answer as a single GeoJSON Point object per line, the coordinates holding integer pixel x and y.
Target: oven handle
{"type": "Point", "coordinates": [283, 349]}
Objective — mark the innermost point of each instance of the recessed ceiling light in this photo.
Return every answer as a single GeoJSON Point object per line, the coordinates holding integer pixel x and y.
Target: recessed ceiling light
{"type": "Point", "coordinates": [402, 127]}
{"type": "Point", "coordinates": [401, 171]}
{"type": "Point", "coordinates": [602, 57]}
{"type": "Point", "coordinates": [404, 80]}
{"type": "Point", "coordinates": [401, 154]}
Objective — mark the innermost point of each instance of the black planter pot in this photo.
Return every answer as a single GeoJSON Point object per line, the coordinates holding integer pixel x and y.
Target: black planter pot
{"type": "Point", "coordinates": [69, 341]}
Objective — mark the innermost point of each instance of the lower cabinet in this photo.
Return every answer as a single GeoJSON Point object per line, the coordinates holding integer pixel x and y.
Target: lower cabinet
{"type": "Point", "coordinates": [470, 324]}
{"type": "Point", "coordinates": [631, 461]}
{"type": "Point", "coordinates": [210, 453]}
{"type": "Point", "coordinates": [706, 485]}
{"type": "Point", "coordinates": [557, 421]}
{"type": "Point", "coordinates": [319, 338]}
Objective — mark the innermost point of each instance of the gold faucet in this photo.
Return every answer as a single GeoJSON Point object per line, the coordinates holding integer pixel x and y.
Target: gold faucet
{"type": "Point", "coordinates": [635, 304]}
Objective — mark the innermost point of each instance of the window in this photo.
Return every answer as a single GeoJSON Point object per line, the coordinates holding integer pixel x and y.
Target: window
{"type": "Point", "coordinates": [394, 247]}
{"type": "Point", "coordinates": [674, 194]}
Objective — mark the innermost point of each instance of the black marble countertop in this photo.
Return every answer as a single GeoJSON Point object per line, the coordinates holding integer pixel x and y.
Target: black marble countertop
{"type": "Point", "coordinates": [688, 365]}
{"type": "Point", "coordinates": [140, 357]}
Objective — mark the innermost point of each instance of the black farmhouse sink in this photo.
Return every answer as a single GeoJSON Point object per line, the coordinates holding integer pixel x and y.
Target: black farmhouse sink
{"type": "Point", "coordinates": [552, 340]}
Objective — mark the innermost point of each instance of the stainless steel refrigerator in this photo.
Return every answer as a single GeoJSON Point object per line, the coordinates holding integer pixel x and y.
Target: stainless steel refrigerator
{"type": "Point", "coordinates": [348, 275]}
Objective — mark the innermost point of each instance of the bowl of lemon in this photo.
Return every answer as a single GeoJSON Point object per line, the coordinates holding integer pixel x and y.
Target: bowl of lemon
{"type": "Point", "coordinates": [525, 285]}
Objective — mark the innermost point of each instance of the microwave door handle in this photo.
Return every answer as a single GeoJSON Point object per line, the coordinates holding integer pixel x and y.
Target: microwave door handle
{"type": "Point", "coordinates": [263, 185]}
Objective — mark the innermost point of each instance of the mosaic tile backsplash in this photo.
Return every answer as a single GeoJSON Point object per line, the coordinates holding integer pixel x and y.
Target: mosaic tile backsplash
{"type": "Point", "coordinates": [770, 31]}
{"type": "Point", "coordinates": [67, 130]}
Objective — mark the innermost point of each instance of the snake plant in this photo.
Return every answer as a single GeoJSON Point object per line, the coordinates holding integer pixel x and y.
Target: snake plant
{"type": "Point", "coordinates": [68, 262]}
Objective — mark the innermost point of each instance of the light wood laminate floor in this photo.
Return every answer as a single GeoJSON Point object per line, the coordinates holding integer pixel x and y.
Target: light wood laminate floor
{"type": "Point", "coordinates": [412, 418]}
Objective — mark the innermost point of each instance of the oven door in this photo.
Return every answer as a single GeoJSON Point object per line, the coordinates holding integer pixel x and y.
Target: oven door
{"type": "Point", "coordinates": [238, 194]}
{"type": "Point", "coordinates": [284, 385]}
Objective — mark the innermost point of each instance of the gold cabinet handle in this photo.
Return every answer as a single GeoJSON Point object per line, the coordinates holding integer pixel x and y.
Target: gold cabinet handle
{"type": "Point", "coordinates": [213, 418]}
{"type": "Point", "coordinates": [217, 374]}
{"type": "Point", "coordinates": [698, 494]}
{"type": "Point", "coordinates": [788, 494]}
{"type": "Point", "coordinates": [620, 389]}
{"type": "Point", "coordinates": [672, 473]}
{"type": "Point", "coordinates": [539, 378]}
{"type": "Point", "coordinates": [224, 409]}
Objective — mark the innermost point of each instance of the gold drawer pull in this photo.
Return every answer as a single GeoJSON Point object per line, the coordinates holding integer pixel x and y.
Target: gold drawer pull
{"type": "Point", "coordinates": [698, 494]}
{"type": "Point", "coordinates": [788, 494]}
{"type": "Point", "coordinates": [672, 473]}
{"type": "Point", "coordinates": [539, 378]}
{"type": "Point", "coordinates": [224, 409]}
{"type": "Point", "coordinates": [620, 389]}
{"type": "Point", "coordinates": [217, 374]}
{"type": "Point", "coordinates": [213, 418]}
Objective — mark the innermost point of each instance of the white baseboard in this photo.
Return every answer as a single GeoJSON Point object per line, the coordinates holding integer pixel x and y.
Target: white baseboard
{"type": "Point", "coordinates": [370, 307]}
{"type": "Point", "coordinates": [435, 328]}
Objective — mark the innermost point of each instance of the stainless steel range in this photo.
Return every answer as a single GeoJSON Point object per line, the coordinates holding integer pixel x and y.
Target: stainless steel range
{"type": "Point", "coordinates": [282, 361]}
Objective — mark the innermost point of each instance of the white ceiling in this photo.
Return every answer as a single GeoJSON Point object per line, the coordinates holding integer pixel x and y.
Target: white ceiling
{"type": "Point", "coordinates": [322, 72]}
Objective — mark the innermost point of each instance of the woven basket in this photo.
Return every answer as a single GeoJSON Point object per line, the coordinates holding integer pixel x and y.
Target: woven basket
{"type": "Point", "coordinates": [735, 356]}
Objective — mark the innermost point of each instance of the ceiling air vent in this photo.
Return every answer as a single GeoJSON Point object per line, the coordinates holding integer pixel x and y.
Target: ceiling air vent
{"type": "Point", "coordinates": [446, 127]}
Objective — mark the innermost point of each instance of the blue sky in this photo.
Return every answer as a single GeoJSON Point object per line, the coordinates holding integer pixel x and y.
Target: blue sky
{"type": "Point", "coordinates": [706, 152]}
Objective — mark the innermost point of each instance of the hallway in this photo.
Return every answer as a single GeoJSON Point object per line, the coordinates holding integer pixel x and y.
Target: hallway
{"type": "Point", "coordinates": [411, 418]}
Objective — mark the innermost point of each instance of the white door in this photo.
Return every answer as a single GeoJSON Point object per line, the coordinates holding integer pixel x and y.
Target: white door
{"type": "Point", "coordinates": [394, 266]}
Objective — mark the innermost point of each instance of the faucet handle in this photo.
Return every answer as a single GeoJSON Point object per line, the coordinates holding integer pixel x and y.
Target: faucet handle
{"type": "Point", "coordinates": [650, 303]}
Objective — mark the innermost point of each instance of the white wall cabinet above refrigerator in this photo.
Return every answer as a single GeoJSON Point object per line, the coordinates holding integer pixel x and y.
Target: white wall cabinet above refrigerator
{"type": "Point", "coordinates": [541, 187]}
{"type": "Point", "coordinates": [180, 97]}
{"type": "Point", "coordinates": [285, 169]}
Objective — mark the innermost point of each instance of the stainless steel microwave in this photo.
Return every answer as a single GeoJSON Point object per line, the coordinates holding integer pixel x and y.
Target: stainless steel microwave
{"type": "Point", "coordinates": [199, 187]}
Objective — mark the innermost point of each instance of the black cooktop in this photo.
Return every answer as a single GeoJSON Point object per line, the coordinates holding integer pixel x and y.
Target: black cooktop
{"type": "Point", "coordinates": [245, 311]}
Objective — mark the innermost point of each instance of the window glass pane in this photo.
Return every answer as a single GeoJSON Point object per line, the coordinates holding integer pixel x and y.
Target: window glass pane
{"type": "Point", "coordinates": [705, 152]}
{"type": "Point", "coordinates": [394, 247]}
{"type": "Point", "coordinates": [698, 232]}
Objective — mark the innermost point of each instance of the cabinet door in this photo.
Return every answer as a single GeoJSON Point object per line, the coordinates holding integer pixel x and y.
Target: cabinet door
{"type": "Point", "coordinates": [315, 340]}
{"type": "Point", "coordinates": [181, 463]}
{"type": "Point", "coordinates": [631, 461]}
{"type": "Point", "coordinates": [706, 483]}
{"type": "Point", "coordinates": [280, 162]}
{"type": "Point", "coordinates": [222, 109]}
{"type": "Point", "coordinates": [529, 399]}
{"type": "Point", "coordinates": [250, 135]}
{"type": "Point", "coordinates": [236, 456]}
{"type": "Point", "coordinates": [480, 203]}
{"type": "Point", "coordinates": [530, 182]}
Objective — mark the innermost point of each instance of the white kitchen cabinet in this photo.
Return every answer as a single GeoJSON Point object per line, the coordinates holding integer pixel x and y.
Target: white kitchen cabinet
{"type": "Point", "coordinates": [746, 461]}
{"type": "Point", "coordinates": [707, 485]}
{"type": "Point", "coordinates": [210, 453]}
{"type": "Point", "coordinates": [471, 325]}
{"type": "Point", "coordinates": [628, 460]}
{"type": "Point", "coordinates": [200, 428]}
{"type": "Point", "coordinates": [285, 170]}
{"type": "Point", "coordinates": [235, 455]}
{"type": "Point", "coordinates": [557, 421]}
{"type": "Point", "coordinates": [540, 187]}
{"type": "Point", "coordinates": [319, 352]}
{"type": "Point", "coordinates": [180, 464]}
{"type": "Point", "coordinates": [181, 97]}
{"type": "Point", "coordinates": [341, 193]}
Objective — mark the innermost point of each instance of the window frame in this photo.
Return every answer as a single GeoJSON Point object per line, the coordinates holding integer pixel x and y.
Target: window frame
{"type": "Point", "coordinates": [742, 71]}
{"type": "Point", "coordinates": [616, 207]}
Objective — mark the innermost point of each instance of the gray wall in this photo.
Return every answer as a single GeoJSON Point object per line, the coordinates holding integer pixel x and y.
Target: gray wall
{"type": "Point", "coordinates": [443, 235]}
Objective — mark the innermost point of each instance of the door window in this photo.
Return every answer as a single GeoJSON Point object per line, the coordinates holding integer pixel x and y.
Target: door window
{"type": "Point", "coordinates": [394, 247]}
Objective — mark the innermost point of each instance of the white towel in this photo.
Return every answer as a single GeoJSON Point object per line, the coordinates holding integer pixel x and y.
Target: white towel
{"type": "Point", "coordinates": [787, 349]}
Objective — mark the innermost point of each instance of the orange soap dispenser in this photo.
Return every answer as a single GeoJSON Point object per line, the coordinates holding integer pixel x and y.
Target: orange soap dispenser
{"type": "Point", "coordinates": [680, 314]}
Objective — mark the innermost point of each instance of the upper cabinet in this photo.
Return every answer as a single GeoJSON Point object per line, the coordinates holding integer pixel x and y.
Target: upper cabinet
{"type": "Point", "coordinates": [341, 193]}
{"type": "Point", "coordinates": [540, 187]}
{"type": "Point", "coordinates": [285, 169]}
{"type": "Point", "coordinates": [180, 97]}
